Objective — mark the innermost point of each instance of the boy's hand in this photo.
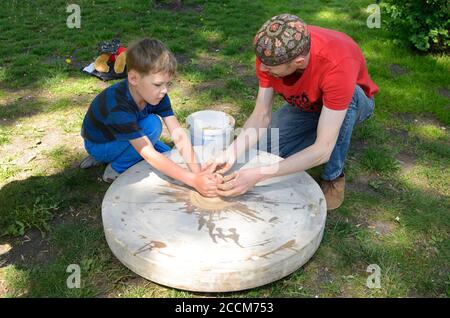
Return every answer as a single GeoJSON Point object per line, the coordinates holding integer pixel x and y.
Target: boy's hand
{"type": "Point", "coordinates": [196, 168]}
{"type": "Point", "coordinates": [206, 184]}
{"type": "Point", "coordinates": [206, 181]}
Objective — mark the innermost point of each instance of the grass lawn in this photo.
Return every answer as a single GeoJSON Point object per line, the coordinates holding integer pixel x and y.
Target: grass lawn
{"type": "Point", "coordinates": [397, 208]}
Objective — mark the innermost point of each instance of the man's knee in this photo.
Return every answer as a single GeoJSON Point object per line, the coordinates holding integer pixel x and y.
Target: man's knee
{"type": "Point", "coordinates": [277, 116]}
{"type": "Point", "coordinates": [361, 105]}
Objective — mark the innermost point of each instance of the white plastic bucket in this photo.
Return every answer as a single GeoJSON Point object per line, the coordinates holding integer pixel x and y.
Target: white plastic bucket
{"type": "Point", "coordinates": [210, 128]}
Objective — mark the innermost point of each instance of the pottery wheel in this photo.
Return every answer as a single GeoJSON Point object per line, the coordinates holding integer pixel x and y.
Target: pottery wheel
{"type": "Point", "coordinates": [167, 233]}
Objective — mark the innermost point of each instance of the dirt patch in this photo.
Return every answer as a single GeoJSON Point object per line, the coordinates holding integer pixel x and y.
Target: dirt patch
{"type": "Point", "coordinates": [75, 62]}
{"type": "Point", "coordinates": [225, 107]}
{"type": "Point", "coordinates": [362, 183]}
{"type": "Point", "coordinates": [408, 118]}
{"type": "Point", "coordinates": [382, 228]}
{"type": "Point", "coordinates": [26, 149]}
{"type": "Point", "coordinates": [362, 216]}
{"type": "Point", "coordinates": [28, 104]}
{"type": "Point", "coordinates": [15, 95]}
{"type": "Point", "coordinates": [3, 288]}
{"type": "Point", "coordinates": [183, 59]}
{"type": "Point", "coordinates": [204, 61]}
{"type": "Point", "coordinates": [399, 133]}
{"type": "Point", "coordinates": [128, 281]}
{"type": "Point", "coordinates": [206, 86]}
{"type": "Point", "coordinates": [184, 87]}
{"type": "Point", "coordinates": [323, 276]}
{"type": "Point", "coordinates": [33, 247]}
{"type": "Point", "coordinates": [358, 145]}
{"type": "Point", "coordinates": [406, 160]}
{"type": "Point", "coordinates": [444, 92]}
{"type": "Point", "coordinates": [54, 59]}
{"type": "Point", "coordinates": [413, 293]}
{"type": "Point", "coordinates": [187, 89]}
{"type": "Point", "coordinates": [177, 6]}
{"type": "Point", "coordinates": [72, 60]}
{"type": "Point", "coordinates": [249, 80]}
{"type": "Point", "coordinates": [25, 154]}
{"type": "Point", "coordinates": [398, 70]}
{"type": "Point", "coordinates": [241, 69]}
{"type": "Point", "coordinates": [214, 47]}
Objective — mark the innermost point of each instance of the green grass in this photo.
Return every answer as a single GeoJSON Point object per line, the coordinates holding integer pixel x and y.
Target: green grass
{"type": "Point", "coordinates": [216, 60]}
{"type": "Point", "coordinates": [377, 160]}
{"type": "Point", "coordinates": [4, 136]}
{"type": "Point", "coordinates": [37, 216]}
{"type": "Point", "coordinates": [8, 170]}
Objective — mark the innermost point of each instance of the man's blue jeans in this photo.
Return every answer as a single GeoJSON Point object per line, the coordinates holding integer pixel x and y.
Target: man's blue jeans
{"type": "Point", "coordinates": [298, 129]}
{"type": "Point", "coordinates": [121, 154]}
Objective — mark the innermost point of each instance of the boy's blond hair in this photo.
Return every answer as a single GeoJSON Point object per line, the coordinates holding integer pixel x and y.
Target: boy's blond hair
{"type": "Point", "coordinates": [150, 56]}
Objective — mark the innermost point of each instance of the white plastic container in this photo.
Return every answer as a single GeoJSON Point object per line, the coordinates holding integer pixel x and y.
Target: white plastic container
{"type": "Point", "coordinates": [211, 129]}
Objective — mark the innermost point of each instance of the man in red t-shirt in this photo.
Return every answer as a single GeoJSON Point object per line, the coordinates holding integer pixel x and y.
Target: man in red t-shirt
{"type": "Point", "coordinates": [323, 77]}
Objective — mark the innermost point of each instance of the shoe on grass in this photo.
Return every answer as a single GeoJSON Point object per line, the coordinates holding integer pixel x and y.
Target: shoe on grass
{"type": "Point", "coordinates": [110, 174]}
{"type": "Point", "coordinates": [334, 192]}
{"type": "Point", "coordinates": [89, 162]}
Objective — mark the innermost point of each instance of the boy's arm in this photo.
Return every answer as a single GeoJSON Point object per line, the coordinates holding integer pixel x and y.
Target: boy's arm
{"type": "Point", "coordinates": [182, 143]}
{"type": "Point", "coordinates": [204, 182]}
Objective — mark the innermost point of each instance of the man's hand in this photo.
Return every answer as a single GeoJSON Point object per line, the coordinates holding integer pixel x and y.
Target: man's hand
{"type": "Point", "coordinates": [238, 182]}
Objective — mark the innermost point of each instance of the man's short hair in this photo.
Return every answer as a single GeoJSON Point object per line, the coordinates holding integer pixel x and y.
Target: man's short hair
{"type": "Point", "coordinates": [150, 56]}
{"type": "Point", "coordinates": [281, 39]}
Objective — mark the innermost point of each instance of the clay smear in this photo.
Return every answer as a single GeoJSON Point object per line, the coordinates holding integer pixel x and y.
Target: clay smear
{"type": "Point", "coordinates": [212, 204]}
{"type": "Point", "coordinates": [209, 210]}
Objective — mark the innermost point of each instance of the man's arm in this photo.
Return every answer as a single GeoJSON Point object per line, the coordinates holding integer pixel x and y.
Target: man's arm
{"type": "Point", "coordinates": [330, 122]}
{"type": "Point", "coordinates": [182, 143]}
{"type": "Point", "coordinates": [260, 118]}
{"type": "Point", "coordinates": [328, 128]}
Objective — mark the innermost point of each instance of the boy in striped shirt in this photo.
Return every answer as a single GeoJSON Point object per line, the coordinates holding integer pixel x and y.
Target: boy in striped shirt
{"type": "Point", "coordinates": [122, 125]}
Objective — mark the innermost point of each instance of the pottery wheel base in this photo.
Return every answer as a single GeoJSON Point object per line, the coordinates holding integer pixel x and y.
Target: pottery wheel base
{"type": "Point", "coordinates": [167, 233]}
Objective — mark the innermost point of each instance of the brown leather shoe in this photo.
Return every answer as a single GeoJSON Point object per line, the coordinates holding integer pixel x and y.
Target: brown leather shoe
{"type": "Point", "coordinates": [334, 192]}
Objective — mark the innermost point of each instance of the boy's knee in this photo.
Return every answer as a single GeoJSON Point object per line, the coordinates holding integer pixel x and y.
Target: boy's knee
{"type": "Point", "coordinates": [151, 126]}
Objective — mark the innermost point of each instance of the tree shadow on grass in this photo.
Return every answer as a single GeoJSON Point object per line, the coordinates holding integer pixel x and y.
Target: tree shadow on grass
{"type": "Point", "coordinates": [54, 221]}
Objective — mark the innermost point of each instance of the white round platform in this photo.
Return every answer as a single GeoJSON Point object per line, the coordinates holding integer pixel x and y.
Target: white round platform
{"type": "Point", "coordinates": [155, 227]}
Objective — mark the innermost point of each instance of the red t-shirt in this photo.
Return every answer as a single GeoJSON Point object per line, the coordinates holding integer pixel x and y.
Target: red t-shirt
{"type": "Point", "coordinates": [335, 67]}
